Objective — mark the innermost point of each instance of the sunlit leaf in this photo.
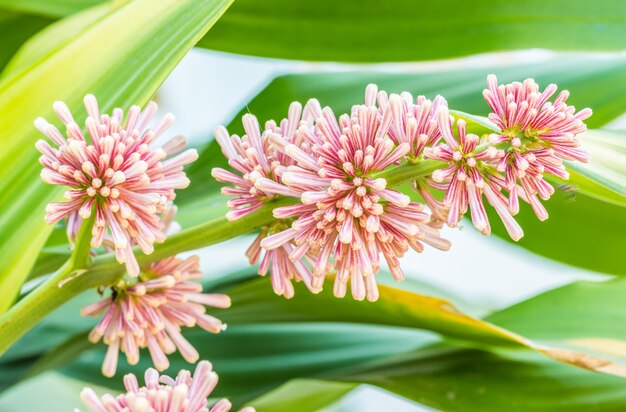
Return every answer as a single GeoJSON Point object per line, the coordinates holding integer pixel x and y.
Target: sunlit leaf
{"type": "Point", "coordinates": [472, 380]}
{"type": "Point", "coordinates": [302, 395]}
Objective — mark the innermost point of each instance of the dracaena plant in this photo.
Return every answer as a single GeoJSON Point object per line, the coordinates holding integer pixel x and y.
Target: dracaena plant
{"type": "Point", "coordinates": [328, 181]}
{"type": "Point", "coordinates": [333, 198]}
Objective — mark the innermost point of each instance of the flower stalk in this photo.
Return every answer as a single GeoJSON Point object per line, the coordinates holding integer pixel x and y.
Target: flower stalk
{"type": "Point", "coordinates": [50, 294]}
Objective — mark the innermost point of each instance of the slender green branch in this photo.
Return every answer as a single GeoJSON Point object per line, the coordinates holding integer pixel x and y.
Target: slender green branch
{"type": "Point", "coordinates": [104, 270]}
{"type": "Point", "coordinates": [409, 171]}
{"type": "Point", "coordinates": [81, 253]}
{"type": "Point", "coordinates": [49, 295]}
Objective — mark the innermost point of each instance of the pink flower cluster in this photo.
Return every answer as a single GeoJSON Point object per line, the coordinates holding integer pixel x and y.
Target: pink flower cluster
{"type": "Point", "coordinates": [112, 172]}
{"type": "Point", "coordinates": [186, 393]}
{"type": "Point", "coordinates": [150, 311]}
{"type": "Point", "coordinates": [261, 166]}
{"type": "Point", "coordinates": [537, 136]}
{"type": "Point", "coordinates": [347, 217]}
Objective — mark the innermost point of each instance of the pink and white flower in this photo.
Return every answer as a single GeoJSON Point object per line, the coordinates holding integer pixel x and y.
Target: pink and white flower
{"type": "Point", "coordinates": [416, 123]}
{"type": "Point", "coordinates": [261, 165]}
{"type": "Point", "coordinates": [256, 158]}
{"type": "Point", "coordinates": [345, 210]}
{"type": "Point", "coordinates": [537, 136]}
{"type": "Point", "coordinates": [413, 121]}
{"type": "Point", "coordinates": [282, 269]}
{"type": "Point", "coordinates": [149, 312]}
{"type": "Point", "coordinates": [470, 175]}
{"type": "Point", "coordinates": [112, 171]}
{"type": "Point", "coordinates": [162, 393]}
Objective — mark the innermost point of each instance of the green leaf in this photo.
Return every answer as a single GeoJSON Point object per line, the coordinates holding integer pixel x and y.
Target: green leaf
{"type": "Point", "coordinates": [401, 30]}
{"type": "Point", "coordinates": [131, 64]}
{"type": "Point", "coordinates": [254, 302]}
{"type": "Point", "coordinates": [255, 359]}
{"type": "Point", "coordinates": [607, 167]}
{"type": "Point", "coordinates": [581, 316]}
{"type": "Point", "coordinates": [472, 380]}
{"type": "Point", "coordinates": [581, 231]}
{"type": "Point", "coordinates": [407, 30]}
{"type": "Point", "coordinates": [56, 8]}
{"type": "Point", "coordinates": [326, 338]}
{"type": "Point", "coordinates": [54, 37]}
{"type": "Point", "coordinates": [302, 395]}
{"type": "Point", "coordinates": [256, 306]}
{"type": "Point", "coordinates": [15, 29]}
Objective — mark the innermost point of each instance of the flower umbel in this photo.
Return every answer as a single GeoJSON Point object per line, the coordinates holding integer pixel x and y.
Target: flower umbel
{"type": "Point", "coordinates": [255, 157]}
{"type": "Point", "coordinates": [345, 211]}
{"type": "Point", "coordinates": [186, 393]}
{"type": "Point", "coordinates": [470, 175]}
{"type": "Point", "coordinates": [112, 171]}
{"type": "Point", "coordinates": [537, 135]}
{"type": "Point", "coordinates": [261, 166]}
{"type": "Point", "coordinates": [149, 312]}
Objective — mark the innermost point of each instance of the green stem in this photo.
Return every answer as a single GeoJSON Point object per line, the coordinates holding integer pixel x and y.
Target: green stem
{"type": "Point", "coordinates": [104, 270]}
{"type": "Point", "coordinates": [51, 294]}
{"type": "Point", "coordinates": [409, 171]}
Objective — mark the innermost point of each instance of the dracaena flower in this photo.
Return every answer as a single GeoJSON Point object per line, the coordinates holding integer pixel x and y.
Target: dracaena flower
{"type": "Point", "coordinates": [413, 121]}
{"type": "Point", "coordinates": [149, 312]}
{"type": "Point", "coordinates": [469, 176]}
{"type": "Point", "coordinates": [277, 262]}
{"type": "Point", "coordinates": [537, 135]}
{"type": "Point", "coordinates": [112, 171]}
{"type": "Point", "coordinates": [345, 210]}
{"type": "Point", "coordinates": [186, 393]}
{"type": "Point", "coordinates": [261, 166]}
{"type": "Point", "coordinates": [255, 157]}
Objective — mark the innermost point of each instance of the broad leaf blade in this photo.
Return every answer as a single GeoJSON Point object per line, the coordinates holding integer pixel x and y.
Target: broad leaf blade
{"type": "Point", "coordinates": [472, 380]}
{"type": "Point", "coordinates": [317, 338]}
{"type": "Point", "coordinates": [302, 395]}
{"type": "Point", "coordinates": [608, 162]}
{"type": "Point", "coordinates": [54, 37]}
{"type": "Point", "coordinates": [581, 316]}
{"type": "Point", "coordinates": [52, 9]}
{"type": "Point", "coordinates": [359, 30]}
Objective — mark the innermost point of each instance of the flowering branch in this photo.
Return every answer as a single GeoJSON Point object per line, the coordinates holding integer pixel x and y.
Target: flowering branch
{"type": "Point", "coordinates": [319, 187]}
{"type": "Point", "coordinates": [105, 270]}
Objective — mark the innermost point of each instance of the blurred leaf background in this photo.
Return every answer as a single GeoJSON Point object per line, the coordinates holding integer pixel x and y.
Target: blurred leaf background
{"type": "Point", "coordinates": [460, 351]}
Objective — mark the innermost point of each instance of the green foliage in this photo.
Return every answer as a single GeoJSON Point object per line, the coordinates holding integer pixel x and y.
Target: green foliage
{"type": "Point", "coordinates": [271, 341]}
{"type": "Point", "coordinates": [308, 352]}
{"type": "Point", "coordinates": [397, 30]}
{"type": "Point", "coordinates": [15, 28]}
